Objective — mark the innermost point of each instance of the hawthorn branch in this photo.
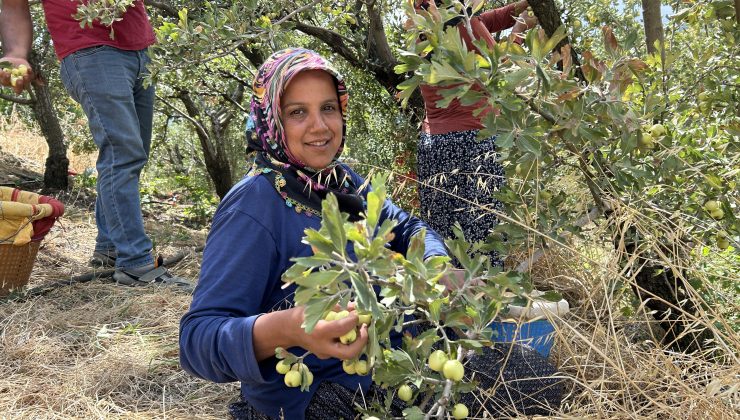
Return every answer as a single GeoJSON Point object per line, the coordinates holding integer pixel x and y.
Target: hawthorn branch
{"type": "Point", "coordinates": [337, 43]}
{"type": "Point", "coordinates": [16, 99]}
{"type": "Point", "coordinates": [167, 9]}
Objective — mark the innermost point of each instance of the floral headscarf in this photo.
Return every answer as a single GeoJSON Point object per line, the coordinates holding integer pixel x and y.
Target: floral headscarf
{"type": "Point", "coordinates": [303, 188]}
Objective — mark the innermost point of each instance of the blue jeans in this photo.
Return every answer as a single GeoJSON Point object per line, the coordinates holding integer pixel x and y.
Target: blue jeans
{"type": "Point", "coordinates": [107, 83]}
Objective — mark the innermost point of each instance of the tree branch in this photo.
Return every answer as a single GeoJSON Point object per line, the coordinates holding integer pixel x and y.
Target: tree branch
{"type": "Point", "coordinates": [167, 9]}
{"type": "Point", "coordinates": [335, 41]}
{"type": "Point", "coordinates": [16, 99]}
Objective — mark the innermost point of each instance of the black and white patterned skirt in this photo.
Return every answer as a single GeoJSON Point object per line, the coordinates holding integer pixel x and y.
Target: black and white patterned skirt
{"type": "Point", "coordinates": [458, 175]}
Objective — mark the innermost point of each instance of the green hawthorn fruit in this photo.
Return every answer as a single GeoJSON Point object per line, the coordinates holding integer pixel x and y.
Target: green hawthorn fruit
{"type": "Point", "coordinates": [657, 130]}
{"type": "Point", "coordinates": [349, 367]}
{"type": "Point", "coordinates": [437, 360]}
{"type": "Point", "coordinates": [545, 196]}
{"type": "Point", "coordinates": [309, 377]}
{"type": "Point", "coordinates": [293, 378]}
{"type": "Point", "coordinates": [704, 97]}
{"type": "Point", "coordinates": [646, 141]}
{"type": "Point", "coordinates": [717, 214]}
{"type": "Point", "coordinates": [372, 418]}
{"type": "Point", "coordinates": [405, 393]}
{"type": "Point", "coordinates": [460, 411]}
{"type": "Point", "coordinates": [349, 338]}
{"type": "Point", "coordinates": [282, 367]}
{"type": "Point", "coordinates": [453, 370]}
{"type": "Point", "coordinates": [361, 367]}
{"type": "Point", "coordinates": [711, 205]}
{"type": "Point", "coordinates": [576, 24]}
{"type": "Point", "coordinates": [722, 243]}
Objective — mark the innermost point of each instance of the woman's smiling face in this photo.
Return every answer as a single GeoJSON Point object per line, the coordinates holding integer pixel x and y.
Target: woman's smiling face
{"type": "Point", "coordinates": [312, 118]}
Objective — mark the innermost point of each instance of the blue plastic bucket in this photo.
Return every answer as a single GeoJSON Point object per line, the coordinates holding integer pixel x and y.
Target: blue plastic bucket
{"type": "Point", "coordinates": [538, 335]}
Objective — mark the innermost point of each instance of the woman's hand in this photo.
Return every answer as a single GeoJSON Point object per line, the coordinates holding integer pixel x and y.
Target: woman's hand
{"type": "Point", "coordinates": [283, 329]}
{"type": "Point", "coordinates": [324, 341]}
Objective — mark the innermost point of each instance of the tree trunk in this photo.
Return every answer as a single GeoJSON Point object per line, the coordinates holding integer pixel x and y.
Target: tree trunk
{"type": "Point", "coordinates": [653, 25]}
{"type": "Point", "coordinates": [737, 11]}
{"type": "Point", "coordinates": [663, 293]}
{"type": "Point", "coordinates": [214, 152]}
{"type": "Point", "coordinates": [57, 164]}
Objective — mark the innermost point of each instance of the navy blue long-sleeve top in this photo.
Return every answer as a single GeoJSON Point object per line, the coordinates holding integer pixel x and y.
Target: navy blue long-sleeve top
{"type": "Point", "coordinates": [252, 240]}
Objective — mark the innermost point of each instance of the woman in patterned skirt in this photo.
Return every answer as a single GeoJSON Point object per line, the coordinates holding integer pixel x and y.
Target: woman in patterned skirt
{"type": "Point", "coordinates": [458, 173]}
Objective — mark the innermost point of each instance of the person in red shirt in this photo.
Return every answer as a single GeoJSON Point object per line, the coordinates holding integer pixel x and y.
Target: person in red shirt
{"type": "Point", "coordinates": [105, 75]}
{"type": "Point", "coordinates": [458, 174]}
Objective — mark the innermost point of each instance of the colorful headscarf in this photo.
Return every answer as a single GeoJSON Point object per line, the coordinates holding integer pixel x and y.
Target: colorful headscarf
{"type": "Point", "coordinates": [303, 188]}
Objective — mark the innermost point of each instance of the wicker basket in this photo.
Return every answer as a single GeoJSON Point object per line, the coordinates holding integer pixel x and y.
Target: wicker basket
{"type": "Point", "coordinates": [25, 218]}
{"type": "Point", "coordinates": [16, 263]}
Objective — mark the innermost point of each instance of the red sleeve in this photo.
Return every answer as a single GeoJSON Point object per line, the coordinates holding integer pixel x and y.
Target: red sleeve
{"type": "Point", "coordinates": [499, 19]}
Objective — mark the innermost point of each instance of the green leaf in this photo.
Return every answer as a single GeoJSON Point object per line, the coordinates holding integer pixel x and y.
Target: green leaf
{"type": "Point", "coordinates": [555, 39]}
{"type": "Point", "coordinates": [415, 253]}
{"type": "Point", "coordinates": [551, 296]}
{"type": "Point", "coordinates": [364, 292]}
{"type": "Point", "coordinates": [505, 141]}
{"type": "Point", "coordinates": [315, 310]}
{"type": "Point", "coordinates": [531, 145]}
{"type": "Point", "coordinates": [413, 413]}
{"type": "Point", "coordinates": [442, 72]}
{"type": "Point", "coordinates": [334, 223]}
{"type": "Point", "coordinates": [319, 278]}
{"type": "Point", "coordinates": [544, 78]}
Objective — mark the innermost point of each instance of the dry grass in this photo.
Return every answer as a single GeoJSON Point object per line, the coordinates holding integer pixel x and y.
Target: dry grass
{"type": "Point", "coordinates": [96, 350]}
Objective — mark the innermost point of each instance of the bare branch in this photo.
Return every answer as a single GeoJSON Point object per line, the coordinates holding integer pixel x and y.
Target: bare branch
{"type": "Point", "coordinates": [335, 41]}
{"type": "Point", "coordinates": [167, 9]}
{"type": "Point", "coordinates": [16, 99]}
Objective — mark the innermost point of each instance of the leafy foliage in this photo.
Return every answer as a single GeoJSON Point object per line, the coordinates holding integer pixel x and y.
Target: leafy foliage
{"type": "Point", "coordinates": [401, 293]}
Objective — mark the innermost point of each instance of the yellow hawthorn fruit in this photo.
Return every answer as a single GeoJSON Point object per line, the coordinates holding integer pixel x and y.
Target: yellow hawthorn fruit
{"type": "Point", "coordinates": [717, 214]}
{"type": "Point", "coordinates": [293, 378]}
{"type": "Point", "coordinates": [460, 411]}
{"type": "Point", "coordinates": [437, 360]}
{"type": "Point", "coordinates": [282, 367]}
{"type": "Point", "coordinates": [361, 367]}
{"type": "Point", "coordinates": [349, 367]}
{"type": "Point", "coordinates": [711, 205]}
{"type": "Point", "coordinates": [330, 316]}
{"type": "Point", "coordinates": [405, 393]}
{"type": "Point", "coordinates": [704, 96]}
{"type": "Point", "coordinates": [341, 315]}
{"type": "Point", "coordinates": [576, 23]}
{"type": "Point", "coordinates": [364, 319]}
{"type": "Point", "coordinates": [349, 338]}
{"type": "Point", "coordinates": [309, 378]}
{"type": "Point", "coordinates": [453, 370]}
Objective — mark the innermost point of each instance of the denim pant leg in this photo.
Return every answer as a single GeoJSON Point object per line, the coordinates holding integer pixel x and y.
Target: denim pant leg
{"type": "Point", "coordinates": [107, 83]}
